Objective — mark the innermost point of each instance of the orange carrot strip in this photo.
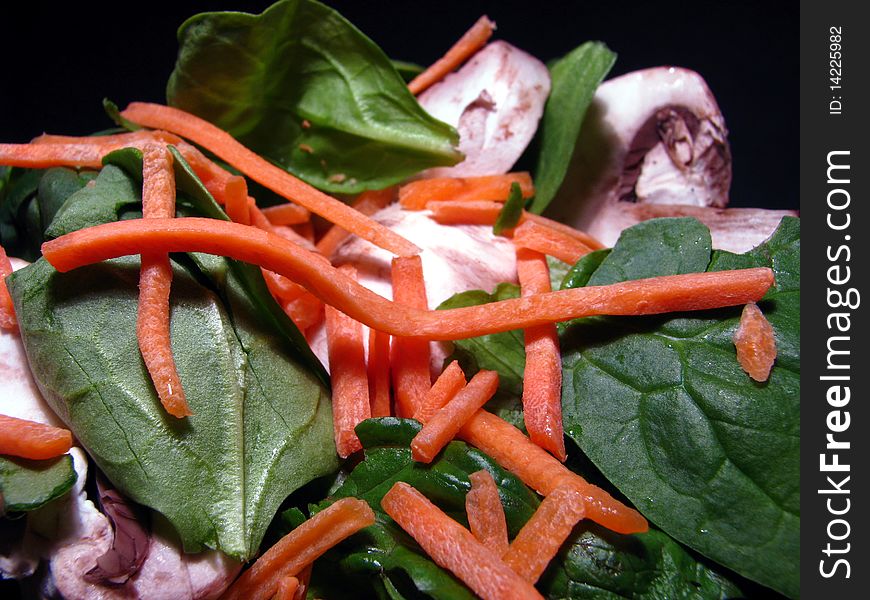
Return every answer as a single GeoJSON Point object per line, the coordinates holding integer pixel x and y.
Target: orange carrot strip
{"type": "Point", "coordinates": [305, 230]}
{"type": "Point", "coordinates": [83, 152]}
{"type": "Point", "coordinates": [301, 547]}
{"type": "Point", "coordinates": [410, 357]}
{"type": "Point", "coordinates": [286, 214]}
{"type": "Point", "coordinates": [282, 288]}
{"type": "Point", "coordinates": [367, 203]}
{"type": "Point", "coordinates": [7, 308]}
{"type": "Point", "coordinates": [213, 176]}
{"type": "Point", "coordinates": [304, 578]}
{"type": "Point", "coordinates": [448, 384]}
{"type": "Point", "coordinates": [470, 42]}
{"type": "Point", "coordinates": [453, 547]}
{"type": "Point", "coordinates": [378, 369]}
{"type": "Point", "coordinates": [29, 439]}
{"type": "Point", "coordinates": [536, 468]}
{"type": "Point", "coordinates": [257, 168]}
{"type": "Point", "coordinates": [155, 280]}
{"type": "Point", "coordinates": [540, 538]}
{"type": "Point", "coordinates": [465, 212]}
{"type": "Point", "coordinates": [485, 513]}
{"type": "Point", "coordinates": [286, 588]}
{"type": "Point", "coordinates": [417, 194]}
{"type": "Point", "coordinates": [236, 200]}
{"type": "Point", "coordinates": [755, 343]}
{"type": "Point", "coordinates": [446, 423]}
{"type": "Point", "coordinates": [694, 291]}
{"type": "Point", "coordinates": [306, 311]}
{"type": "Point", "coordinates": [581, 236]}
{"type": "Point", "coordinates": [549, 241]}
{"type": "Point", "coordinates": [542, 375]}
{"type": "Point", "coordinates": [350, 384]}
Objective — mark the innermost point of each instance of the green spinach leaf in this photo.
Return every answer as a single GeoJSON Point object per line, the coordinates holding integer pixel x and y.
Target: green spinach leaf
{"type": "Point", "coordinates": [593, 564]}
{"type": "Point", "coordinates": [663, 409]}
{"type": "Point", "coordinates": [575, 77]}
{"type": "Point", "coordinates": [302, 86]}
{"type": "Point", "coordinates": [28, 484]}
{"type": "Point", "coordinates": [511, 212]}
{"type": "Point", "coordinates": [261, 426]}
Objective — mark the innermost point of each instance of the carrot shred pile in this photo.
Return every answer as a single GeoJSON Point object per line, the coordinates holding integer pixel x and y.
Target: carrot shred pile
{"type": "Point", "coordinates": [378, 369]}
{"type": "Point", "coordinates": [155, 280]}
{"type": "Point", "coordinates": [367, 203]}
{"type": "Point", "coordinates": [453, 547]}
{"type": "Point", "coordinates": [542, 374]}
{"type": "Point", "coordinates": [7, 308]}
{"type": "Point", "coordinates": [418, 194]}
{"type": "Point", "coordinates": [286, 214]}
{"type": "Point", "coordinates": [409, 357]}
{"type": "Point", "coordinates": [350, 384]}
{"type": "Point", "coordinates": [448, 384]}
{"type": "Point", "coordinates": [287, 589]}
{"type": "Point", "coordinates": [29, 439]}
{"type": "Point", "coordinates": [470, 42]}
{"type": "Point", "coordinates": [755, 343]}
{"type": "Point", "coordinates": [485, 513]}
{"type": "Point", "coordinates": [299, 548]}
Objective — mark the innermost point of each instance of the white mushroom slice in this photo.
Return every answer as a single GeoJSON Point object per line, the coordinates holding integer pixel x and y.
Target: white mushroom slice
{"type": "Point", "coordinates": [455, 258]}
{"type": "Point", "coordinates": [654, 144]}
{"type": "Point", "coordinates": [495, 102]}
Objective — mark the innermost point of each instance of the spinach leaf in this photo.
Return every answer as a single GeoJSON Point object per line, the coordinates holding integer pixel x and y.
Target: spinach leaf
{"type": "Point", "coordinates": [663, 409]}
{"type": "Point", "coordinates": [511, 212]}
{"type": "Point", "coordinates": [28, 484]}
{"type": "Point", "coordinates": [575, 78]}
{"type": "Point", "coordinates": [16, 199]}
{"type": "Point", "coordinates": [594, 563]}
{"type": "Point", "coordinates": [261, 426]}
{"type": "Point", "coordinates": [302, 86]}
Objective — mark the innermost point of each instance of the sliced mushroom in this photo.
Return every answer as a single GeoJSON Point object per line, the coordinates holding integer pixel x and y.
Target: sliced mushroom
{"type": "Point", "coordinates": [495, 101]}
{"type": "Point", "coordinates": [455, 258]}
{"type": "Point", "coordinates": [654, 143]}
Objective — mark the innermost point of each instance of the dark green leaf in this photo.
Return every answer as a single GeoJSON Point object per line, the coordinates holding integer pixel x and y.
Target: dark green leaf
{"type": "Point", "coordinates": [261, 426]}
{"type": "Point", "coordinates": [29, 484]}
{"type": "Point", "coordinates": [511, 212]}
{"type": "Point", "coordinates": [16, 199]}
{"type": "Point", "coordinates": [55, 186]}
{"type": "Point", "coordinates": [663, 409]}
{"type": "Point", "coordinates": [302, 86]}
{"type": "Point", "coordinates": [575, 77]}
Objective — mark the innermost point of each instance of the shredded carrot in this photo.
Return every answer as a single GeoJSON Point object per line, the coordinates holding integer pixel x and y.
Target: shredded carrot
{"type": "Point", "coordinates": [282, 288]}
{"type": "Point", "coordinates": [267, 174]}
{"type": "Point", "coordinates": [155, 280]}
{"type": "Point", "coordinates": [537, 469]}
{"type": "Point", "coordinates": [236, 200]}
{"type": "Point", "coordinates": [549, 241]}
{"type": "Point", "coordinates": [409, 357]}
{"type": "Point", "coordinates": [449, 419]}
{"type": "Point", "coordinates": [350, 384]}
{"type": "Point", "coordinates": [304, 578]}
{"type": "Point", "coordinates": [7, 308]}
{"type": "Point", "coordinates": [417, 194]}
{"type": "Point", "coordinates": [304, 230]}
{"type": "Point", "coordinates": [448, 384]}
{"type": "Point", "coordinates": [465, 212]}
{"type": "Point", "coordinates": [116, 140]}
{"type": "Point", "coordinates": [453, 547]}
{"type": "Point", "coordinates": [540, 538]}
{"type": "Point", "coordinates": [306, 311]}
{"type": "Point", "coordinates": [470, 42]}
{"type": "Point", "coordinates": [29, 439]}
{"type": "Point", "coordinates": [286, 214]}
{"type": "Point", "coordinates": [367, 203]}
{"type": "Point", "coordinates": [542, 375]}
{"type": "Point", "coordinates": [300, 548]}
{"type": "Point", "coordinates": [287, 588]}
{"type": "Point", "coordinates": [694, 291]}
{"type": "Point", "coordinates": [485, 212]}
{"type": "Point", "coordinates": [378, 369]}
{"type": "Point", "coordinates": [755, 342]}
{"type": "Point", "coordinates": [485, 513]}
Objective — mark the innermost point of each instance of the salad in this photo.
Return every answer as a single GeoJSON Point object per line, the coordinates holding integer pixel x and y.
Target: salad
{"type": "Point", "coordinates": [326, 324]}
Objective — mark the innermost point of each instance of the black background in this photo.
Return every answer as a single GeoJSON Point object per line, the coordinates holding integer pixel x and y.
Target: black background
{"type": "Point", "coordinates": [59, 62]}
